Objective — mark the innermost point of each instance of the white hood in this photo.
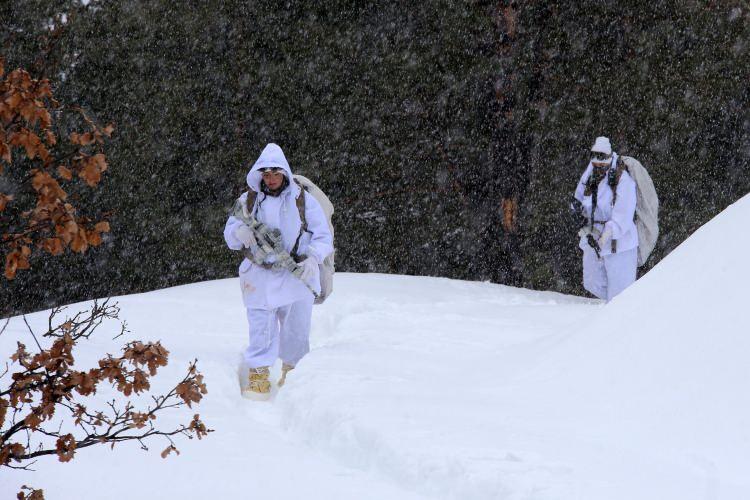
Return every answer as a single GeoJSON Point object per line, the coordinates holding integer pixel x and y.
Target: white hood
{"type": "Point", "coordinates": [271, 156]}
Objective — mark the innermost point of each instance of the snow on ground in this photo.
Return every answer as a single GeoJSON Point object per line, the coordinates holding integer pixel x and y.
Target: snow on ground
{"type": "Point", "coordinates": [385, 349]}
{"type": "Point", "coordinates": [435, 388]}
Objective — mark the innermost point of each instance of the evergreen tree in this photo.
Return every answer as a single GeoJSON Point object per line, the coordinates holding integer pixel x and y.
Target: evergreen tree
{"type": "Point", "coordinates": [448, 134]}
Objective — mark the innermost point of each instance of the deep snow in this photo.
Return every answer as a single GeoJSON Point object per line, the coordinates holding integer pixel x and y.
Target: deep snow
{"type": "Point", "coordinates": [435, 388]}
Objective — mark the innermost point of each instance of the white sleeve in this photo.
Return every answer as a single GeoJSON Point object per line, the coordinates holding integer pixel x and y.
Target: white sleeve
{"type": "Point", "coordinates": [232, 241]}
{"type": "Point", "coordinates": [321, 242]}
{"type": "Point", "coordinates": [624, 209]}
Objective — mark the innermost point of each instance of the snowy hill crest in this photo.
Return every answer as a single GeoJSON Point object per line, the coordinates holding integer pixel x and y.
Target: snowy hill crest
{"type": "Point", "coordinates": [434, 388]}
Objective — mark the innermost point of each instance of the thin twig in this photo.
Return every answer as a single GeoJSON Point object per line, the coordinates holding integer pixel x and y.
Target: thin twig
{"type": "Point", "coordinates": [32, 333]}
{"type": "Point", "coordinates": [7, 322]}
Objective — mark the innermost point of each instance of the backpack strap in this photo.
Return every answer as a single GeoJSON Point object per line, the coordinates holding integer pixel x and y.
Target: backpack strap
{"type": "Point", "coordinates": [613, 182]}
{"type": "Point", "coordinates": [300, 202]}
{"type": "Point", "coordinates": [301, 205]}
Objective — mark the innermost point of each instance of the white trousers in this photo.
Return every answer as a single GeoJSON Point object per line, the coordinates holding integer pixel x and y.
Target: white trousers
{"type": "Point", "coordinates": [610, 275]}
{"type": "Point", "coordinates": [283, 333]}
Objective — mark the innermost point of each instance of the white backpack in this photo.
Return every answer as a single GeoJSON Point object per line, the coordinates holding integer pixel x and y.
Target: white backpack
{"type": "Point", "coordinates": [327, 269]}
{"type": "Point", "coordinates": [646, 208]}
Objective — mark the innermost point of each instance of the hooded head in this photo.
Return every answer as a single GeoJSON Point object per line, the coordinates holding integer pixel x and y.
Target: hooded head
{"type": "Point", "coordinates": [601, 152]}
{"type": "Point", "coordinates": [271, 157]}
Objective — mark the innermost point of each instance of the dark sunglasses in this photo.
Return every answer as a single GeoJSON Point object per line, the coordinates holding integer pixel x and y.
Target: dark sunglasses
{"type": "Point", "coordinates": [600, 157]}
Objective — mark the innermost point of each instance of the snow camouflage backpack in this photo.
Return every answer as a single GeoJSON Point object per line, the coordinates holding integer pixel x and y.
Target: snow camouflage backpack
{"type": "Point", "coordinates": [646, 207]}
{"type": "Point", "coordinates": [327, 266]}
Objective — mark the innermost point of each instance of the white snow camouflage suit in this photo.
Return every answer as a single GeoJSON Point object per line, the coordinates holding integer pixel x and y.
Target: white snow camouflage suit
{"type": "Point", "coordinates": [610, 275]}
{"type": "Point", "coordinates": [279, 306]}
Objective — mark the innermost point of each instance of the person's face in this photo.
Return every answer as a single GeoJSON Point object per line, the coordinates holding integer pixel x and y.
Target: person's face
{"type": "Point", "coordinates": [273, 178]}
{"type": "Point", "coordinates": [601, 160]}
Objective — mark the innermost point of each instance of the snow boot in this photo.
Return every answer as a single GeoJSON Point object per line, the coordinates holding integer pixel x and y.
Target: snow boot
{"type": "Point", "coordinates": [285, 368]}
{"type": "Point", "coordinates": [258, 387]}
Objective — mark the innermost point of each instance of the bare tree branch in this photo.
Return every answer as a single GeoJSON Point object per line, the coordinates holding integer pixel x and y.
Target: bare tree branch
{"type": "Point", "coordinates": [46, 385]}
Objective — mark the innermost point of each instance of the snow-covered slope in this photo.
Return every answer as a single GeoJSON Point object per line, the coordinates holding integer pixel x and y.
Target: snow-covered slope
{"type": "Point", "coordinates": [434, 388]}
{"type": "Point", "coordinates": [661, 371]}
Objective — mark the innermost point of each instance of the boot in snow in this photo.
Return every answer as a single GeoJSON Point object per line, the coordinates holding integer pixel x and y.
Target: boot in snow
{"type": "Point", "coordinates": [258, 387]}
{"type": "Point", "coordinates": [285, 368]}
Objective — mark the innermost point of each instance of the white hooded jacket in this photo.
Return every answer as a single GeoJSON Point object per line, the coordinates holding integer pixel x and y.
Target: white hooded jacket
{"type": "Point", "coordinates": [618, 218]}
{"type": "Point", "coordinates": [266, 288]}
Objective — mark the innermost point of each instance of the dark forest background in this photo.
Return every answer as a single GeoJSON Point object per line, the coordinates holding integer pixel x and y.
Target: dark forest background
{"type": "Point", "coordinates": [449, 135]}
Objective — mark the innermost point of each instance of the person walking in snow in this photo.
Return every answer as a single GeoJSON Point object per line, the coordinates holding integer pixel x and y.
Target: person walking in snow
{"type": "Point", "coordinates": [609, 240]}
{"type": "Point", "coordinates": [278, 303]}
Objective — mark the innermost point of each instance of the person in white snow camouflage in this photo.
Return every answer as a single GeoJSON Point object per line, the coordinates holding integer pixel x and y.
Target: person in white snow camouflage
{"type": "Point", "coordinates": [279, 305]}
{"type": "Point", "coordinates": [609, 240]}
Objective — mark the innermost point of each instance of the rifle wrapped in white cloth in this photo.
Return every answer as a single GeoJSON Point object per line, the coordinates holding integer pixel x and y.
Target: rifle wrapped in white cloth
{"type": "Point", "coordinates": [264, 246]}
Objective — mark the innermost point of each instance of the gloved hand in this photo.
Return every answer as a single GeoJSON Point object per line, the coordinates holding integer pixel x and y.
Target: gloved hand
{"type": "Point", "coordinates": [577, 213]}
{"type": "Point", "coordinates": [605, 236]}
{"type": "Point", "coordinates": [245, 235]}
{"type": "Point", "coordinates": [309, 265]}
